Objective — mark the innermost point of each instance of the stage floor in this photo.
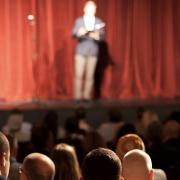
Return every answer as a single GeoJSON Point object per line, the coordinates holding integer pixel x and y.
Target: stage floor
{"type": "Point", "coordinates": [101, 103]}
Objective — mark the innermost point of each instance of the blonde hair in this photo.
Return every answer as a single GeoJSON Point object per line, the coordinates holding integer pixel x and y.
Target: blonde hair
{"type": "Point", "coordinates": [66, 163]}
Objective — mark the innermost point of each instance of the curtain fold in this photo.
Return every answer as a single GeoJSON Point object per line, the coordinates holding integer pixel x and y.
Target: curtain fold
{"type": "Point", "coordinates": [37, 56]}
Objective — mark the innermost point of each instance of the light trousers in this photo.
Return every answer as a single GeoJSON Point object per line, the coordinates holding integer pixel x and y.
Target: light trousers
{"type": "Point", "coordinates": [84, 72]}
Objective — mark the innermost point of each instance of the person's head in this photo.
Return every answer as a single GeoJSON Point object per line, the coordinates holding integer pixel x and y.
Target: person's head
{"type": "Point", "coordinates": [129, 142]}
{"type": "Point", "coordinates": [93, 140]}
{"type": "Point", "coordinates": [4, 155]}
{"type": "Point", "coordinates": [137, 165]}
{"type": "Point", "coordinates": [37, 166]}
{"type": "Point", "coordinates": [14, 121]}
{"type": "Point", "coordinates": [171, 130]}
{"type": "Point", "coordinates": [66, 163]}
{"type": "Point", "coordinates": [101, 164]}
{"type": "Point", "coordinates": [90, 8]}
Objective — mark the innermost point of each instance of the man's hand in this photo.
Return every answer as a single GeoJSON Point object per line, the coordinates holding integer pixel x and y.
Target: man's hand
{"type": "Point", "coordinates": [81, 32]}
{"type": "Point", "coordinates": [94, 35]}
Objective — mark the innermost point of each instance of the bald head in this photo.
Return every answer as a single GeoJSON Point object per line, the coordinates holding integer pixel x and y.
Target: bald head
{"type": "Point", "coordinates": [137, 165]}
{"type": "Point", "coordinates": [38, 166]}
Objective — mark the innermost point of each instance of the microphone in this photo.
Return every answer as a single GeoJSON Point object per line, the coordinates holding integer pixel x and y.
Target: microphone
{"type": "Point", "coordinates": [31, 19]}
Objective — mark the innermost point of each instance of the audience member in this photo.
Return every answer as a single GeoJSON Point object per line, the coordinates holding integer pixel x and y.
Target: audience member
{"type": "Point", "coordinates": [16, 126]}
{"type": "Point", "coordinates": [101, 164]}
{"type": "Point", "coordinates": [129, 142]}
{"type": "Point", "coordinates": [146, 118]}
{"type": "Point", "coordinates": [80, 114]}
{"type": "Point", "coordinates": [42, 139]}
{"type": "Point", "coordinates": [171, 149]}
{"type": "Point", "coordinates": [154, 145]}
{"type": "Point", "coordinates": [93, 140]}
{"type": "Point", "coordinates": [14, 164]}
{"type": "Point", "coordinates": [37, 166]}
{"type": "Point", "coordinates": [51, 122]}
{"type": "Point", "coordinates": [66, 163]}
{"type": "Point", "coordinates": [75, 137]}
{"type": "Point", "coordinates": [109, 129]}
{"type": "Point", "coordinates": [137, 165]}
{"type": "Point", "coordinates": [4, 157]}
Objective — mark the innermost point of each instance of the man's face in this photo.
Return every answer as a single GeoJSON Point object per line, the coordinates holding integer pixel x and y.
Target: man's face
{"type": "Point", "coordinates": [90, 9]}
{"type": "Point", "coordinates": [6, 164]}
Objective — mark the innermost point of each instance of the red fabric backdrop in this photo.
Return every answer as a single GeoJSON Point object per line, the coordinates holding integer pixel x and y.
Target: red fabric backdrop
{"type": "Point", "coordinates": [36, 58]}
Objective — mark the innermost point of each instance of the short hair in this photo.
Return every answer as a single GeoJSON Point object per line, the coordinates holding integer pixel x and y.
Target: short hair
{"type": "Point", "coordinates": [100, 164]}
{"type": "Point", "coordinates": [33, 164]}
{"type": "Point", "coordinates": [4, 143]}
{"type": "Point", "coordinates": [129, 142]}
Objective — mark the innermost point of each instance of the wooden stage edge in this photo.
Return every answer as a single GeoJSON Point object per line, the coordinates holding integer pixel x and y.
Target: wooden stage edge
{"type": "Point", "coordinates": [100, 103]}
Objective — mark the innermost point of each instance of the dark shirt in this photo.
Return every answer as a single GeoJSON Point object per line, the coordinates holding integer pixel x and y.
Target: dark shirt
{"type": "Point", "coordinates": [3, 178]}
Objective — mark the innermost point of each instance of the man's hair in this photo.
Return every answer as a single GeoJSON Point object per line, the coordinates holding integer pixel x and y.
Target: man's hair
{"type": "Point", "coordinates": [129, 142]}
{"type": "Point", "coordinates": [4, 144]}
{"type": "Point", "coordinates": [100, 164]}
{"type": "Point", "coordinates": [33, 167]}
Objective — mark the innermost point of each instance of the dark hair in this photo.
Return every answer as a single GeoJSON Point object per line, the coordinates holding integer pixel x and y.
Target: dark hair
{"type": "Point", "coordinates": [80, 113]}
{"type": "Point", "coordinates": [101, 164]}
{"type": "Point", "coordinates": [115, 115]}
{"type": "Point", "coordinates": [72, 124]}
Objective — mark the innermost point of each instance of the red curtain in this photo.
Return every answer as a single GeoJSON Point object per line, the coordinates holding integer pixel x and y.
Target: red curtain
{"type": "Point", "coordinates": [36, 56]}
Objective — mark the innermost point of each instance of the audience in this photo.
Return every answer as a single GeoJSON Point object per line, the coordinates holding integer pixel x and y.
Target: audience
{"type": "Point", "coordinates": [137, 165]}
{"type": "Point", "coordinates": [37, 166]}
{"type": "Point", "coordinates": [101, 164]}
{"type": "Point", "coordinates": [4, 157]}
{"type": "Point", "coordinates": [83, 144]}
{"type": "Point", "coordinates": [66, 163]}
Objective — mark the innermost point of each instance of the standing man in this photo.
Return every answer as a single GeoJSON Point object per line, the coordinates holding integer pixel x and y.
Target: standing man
{"type": "Point", "coordinates": [89, 30]}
